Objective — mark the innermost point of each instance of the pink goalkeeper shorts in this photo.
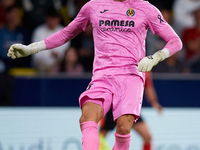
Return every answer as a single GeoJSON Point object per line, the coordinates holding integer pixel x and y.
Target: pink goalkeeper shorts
{"type": "Point", "coordinates": [124, 93]}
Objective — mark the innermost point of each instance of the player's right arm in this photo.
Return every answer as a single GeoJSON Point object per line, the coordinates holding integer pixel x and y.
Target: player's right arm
{"type": "Point", "coordinates": [57, 39]}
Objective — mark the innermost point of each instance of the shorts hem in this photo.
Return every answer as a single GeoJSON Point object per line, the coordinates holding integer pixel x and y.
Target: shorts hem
{"type": "Point", "coordinates": [86, 98]}
{"type": "Point", "coordinates": [126, 113]}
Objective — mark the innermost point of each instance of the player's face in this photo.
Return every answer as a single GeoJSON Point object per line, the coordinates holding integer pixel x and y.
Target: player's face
{"type": "Point", "coordinates": [13, 17]}
{"type": "Point", "coordinates": [52, 22]}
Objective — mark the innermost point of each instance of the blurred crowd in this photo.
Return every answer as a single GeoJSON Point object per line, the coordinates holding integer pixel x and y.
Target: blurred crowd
{"type": "Point", "coordinates": [26, 21]}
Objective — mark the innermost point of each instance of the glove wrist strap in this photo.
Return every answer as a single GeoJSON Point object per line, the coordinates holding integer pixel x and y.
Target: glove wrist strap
{"type": "Point", "coordinates": [36, 47]}
{"type": "Point", "coordinates": [161, 55]}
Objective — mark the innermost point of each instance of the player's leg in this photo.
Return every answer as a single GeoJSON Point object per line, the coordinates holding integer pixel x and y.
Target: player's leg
{"type": "Point", "coordinates": [91, 114]}
{"type": "Point", "coordinates": [122, 134]}
{"type": "Point", "coordinates": [106, 124]}
{"type": "Point", "coordinates": [127, 102]}
{"type": "Point", "coordinates": [141, 128]}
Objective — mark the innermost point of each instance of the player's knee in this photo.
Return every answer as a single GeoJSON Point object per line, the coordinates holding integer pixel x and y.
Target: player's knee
{"type": "Point", "coordinates": [95, 116]}
{"type": "Point", "coordinates": [82, 119]}
{"type": "Point", "coordinates": [85, 117]}
{"type": "Point", "coordinates": [124, 124]}
{"type": "Point", "coordinates": [123, 129]}
{"type": "Point", "coordinates": [147, 138]}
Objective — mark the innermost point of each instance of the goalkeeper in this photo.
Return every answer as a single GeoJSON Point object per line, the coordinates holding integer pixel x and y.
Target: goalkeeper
{"type": "Point", "coordinates": [119, 32]}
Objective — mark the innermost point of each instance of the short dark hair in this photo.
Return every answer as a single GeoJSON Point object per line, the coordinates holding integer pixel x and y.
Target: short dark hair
{"type": "Point", "coordinates": [52, 12]}
{"type": "Point", "coordinates": [10, 8]}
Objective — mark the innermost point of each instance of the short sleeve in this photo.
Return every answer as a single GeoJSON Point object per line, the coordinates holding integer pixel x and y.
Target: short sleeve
{"type": "Point", "coordinates": [155, 19]}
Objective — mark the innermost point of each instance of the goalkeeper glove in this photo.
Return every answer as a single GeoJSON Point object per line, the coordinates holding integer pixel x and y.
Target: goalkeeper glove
{"type": "Point", "coordinates": [20, 50]}
{"type": "Point", "coordinates": [147, 63]}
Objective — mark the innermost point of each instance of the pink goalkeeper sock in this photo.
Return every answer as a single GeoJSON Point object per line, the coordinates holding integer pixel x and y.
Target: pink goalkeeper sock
{"type": "Point", "coordinates": [122, 142]}
{"type": "Point", "coordinates": [90, 135]}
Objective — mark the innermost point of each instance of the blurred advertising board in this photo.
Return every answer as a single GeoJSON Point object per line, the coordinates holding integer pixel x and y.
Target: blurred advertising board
{"type": "Point", "coordinates": [57, 128]}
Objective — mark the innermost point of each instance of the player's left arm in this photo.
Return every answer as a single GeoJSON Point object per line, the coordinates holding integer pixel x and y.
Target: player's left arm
{"type": "Point", "coordinates": [173, 43]}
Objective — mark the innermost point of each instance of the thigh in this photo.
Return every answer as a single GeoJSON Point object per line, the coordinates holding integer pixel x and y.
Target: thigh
{"type": "Point", "coordinates": [91, 112]}
{"type": "Point", "coordinates": [98, 92]}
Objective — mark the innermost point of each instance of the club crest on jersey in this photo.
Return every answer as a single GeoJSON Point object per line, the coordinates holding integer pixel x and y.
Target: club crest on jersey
{"type": "Point", "coordinates": [130, 12]}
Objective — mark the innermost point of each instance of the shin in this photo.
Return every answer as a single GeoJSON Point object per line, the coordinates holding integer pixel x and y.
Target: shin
{"type": "Point", "coordinates": [91, 115]}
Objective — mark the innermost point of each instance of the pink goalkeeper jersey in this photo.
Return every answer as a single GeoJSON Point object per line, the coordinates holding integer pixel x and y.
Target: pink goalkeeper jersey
{"type": "Point", "coordinates": [119, 32]}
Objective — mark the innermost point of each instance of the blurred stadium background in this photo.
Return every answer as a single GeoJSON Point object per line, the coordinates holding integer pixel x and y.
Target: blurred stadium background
{"type": "Point", "coordinates": [39, 108]}
{"type": "Point", "coordinates": [46, 114]}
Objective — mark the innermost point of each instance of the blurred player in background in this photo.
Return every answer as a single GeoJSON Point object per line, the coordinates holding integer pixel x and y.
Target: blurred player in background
{"type": "Point", "coordinates": [119, 31]}
{"type": "Point", "coordinates": [107, 123]}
